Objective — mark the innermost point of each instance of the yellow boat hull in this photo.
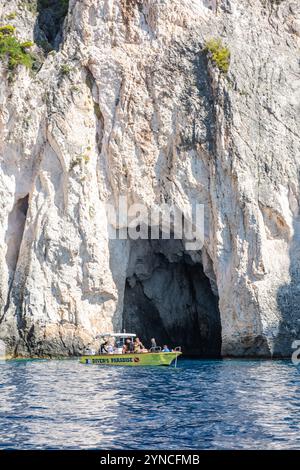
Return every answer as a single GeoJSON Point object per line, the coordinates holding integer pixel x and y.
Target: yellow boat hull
{"type": "Point", "coordinates": [142, 359]}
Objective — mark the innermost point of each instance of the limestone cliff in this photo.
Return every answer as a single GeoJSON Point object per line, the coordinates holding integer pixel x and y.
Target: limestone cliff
{"type": "Point", "coordinates": [124, 99]}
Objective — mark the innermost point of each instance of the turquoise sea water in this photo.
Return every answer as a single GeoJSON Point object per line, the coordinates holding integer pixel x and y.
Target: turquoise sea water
{"type": "Point", "coordinates": [229, 404]}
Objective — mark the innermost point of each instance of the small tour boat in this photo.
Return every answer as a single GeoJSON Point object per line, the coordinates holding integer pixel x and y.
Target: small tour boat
{"type": "Point", "coordinates": [154, 357]}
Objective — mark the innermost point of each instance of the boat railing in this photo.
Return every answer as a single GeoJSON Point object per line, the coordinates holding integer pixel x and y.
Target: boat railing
{"type": "Point", "coordinates": [155, 349]}
{"type": "Point", "coordinates": [178, 348]}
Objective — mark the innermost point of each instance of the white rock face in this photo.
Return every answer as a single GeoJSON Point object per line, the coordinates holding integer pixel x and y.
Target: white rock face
{"type": "Point", "coordinates": [130, 105]}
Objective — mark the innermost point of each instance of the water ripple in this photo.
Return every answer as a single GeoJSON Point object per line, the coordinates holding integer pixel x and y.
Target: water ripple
{"type": "Point", "coordinates": [232, 404]}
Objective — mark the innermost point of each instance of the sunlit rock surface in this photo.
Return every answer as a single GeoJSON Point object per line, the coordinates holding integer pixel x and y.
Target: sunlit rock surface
{"type": "Point", "coordinates": [128, 104]}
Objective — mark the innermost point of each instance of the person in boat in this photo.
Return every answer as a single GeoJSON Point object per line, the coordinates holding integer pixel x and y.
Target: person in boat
{"type": "Point", "coordinates": [107, 347]}
{"type": "Point", "coordinates": [139, 347]}
{"type": "Point", "coordinates": [110, 349]}
{"type": "Point", "coordinates": [165, 348]}
{"type": "Point", "coordinates": [104, 347]}
{"type": "Point", "coordinates": [153, 344]}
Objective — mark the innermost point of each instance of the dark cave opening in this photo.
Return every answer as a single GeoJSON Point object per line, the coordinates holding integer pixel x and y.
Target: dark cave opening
{"type": "Point", "coordinates": [168, 296]}
{"type": "Point", "coordinates": [49, 25]}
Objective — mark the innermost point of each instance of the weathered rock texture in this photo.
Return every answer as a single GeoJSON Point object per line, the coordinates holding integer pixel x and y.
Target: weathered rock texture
{"type": "Point", "coordinates": [129, 104]}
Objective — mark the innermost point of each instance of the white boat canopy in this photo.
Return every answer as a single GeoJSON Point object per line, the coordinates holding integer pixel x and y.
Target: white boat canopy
{"type": "Point", "coordinates": [117, 335]}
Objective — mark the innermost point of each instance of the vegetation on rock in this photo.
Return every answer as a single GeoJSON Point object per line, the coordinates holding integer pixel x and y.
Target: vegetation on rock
{"type": "Point", "coordinates": [7, 30]}
{"type": "Point", "coordinates": [79, 160]}
{"type": "Point", "coordinates": [11, 16]}
{"type": "Point", "coordinates": [11, 49]}
{"type": "Point", "coordinates": [219, 54]}
{"type": "Point", "coordinates": [65, 70]}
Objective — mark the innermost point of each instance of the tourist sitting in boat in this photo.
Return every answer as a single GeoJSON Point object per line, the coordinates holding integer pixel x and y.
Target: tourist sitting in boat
{"type": "Point", "coordinates": [110, 349]}
{"type": "Point", "coordinates": [128, 347]}
{"type": "Point", "coordinates": [165, 348]}
{"type": "Point", "coordinates": [104, 347]}
{"type": "Point", "coordinates": [139, 347]}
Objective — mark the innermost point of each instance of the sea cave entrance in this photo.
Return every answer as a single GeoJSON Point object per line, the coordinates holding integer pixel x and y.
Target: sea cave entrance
{"type": "Point", "coordinates": [168, 296]}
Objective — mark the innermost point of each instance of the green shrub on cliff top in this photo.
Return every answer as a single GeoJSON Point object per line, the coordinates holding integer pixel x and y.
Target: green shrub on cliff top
{"type": "Point", "coordinates": [219, 54]}
{"type": "Point", "coordinates": [11, 49]}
